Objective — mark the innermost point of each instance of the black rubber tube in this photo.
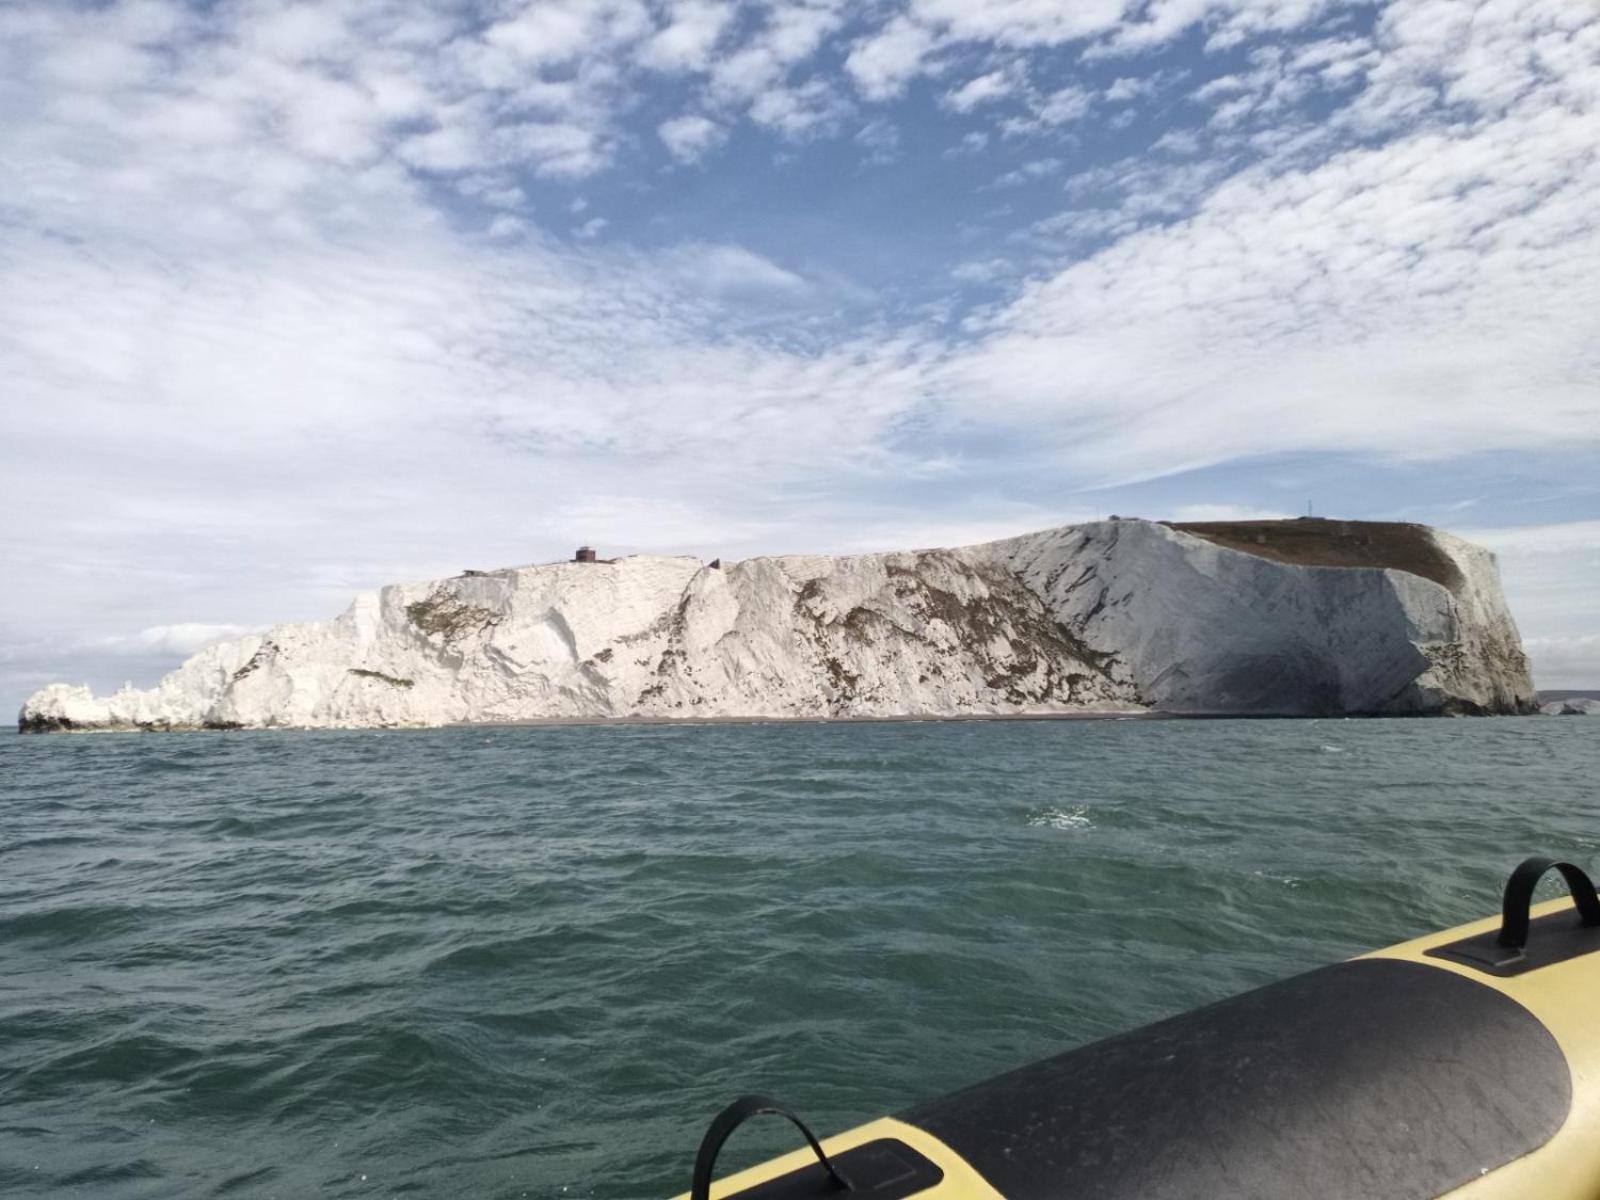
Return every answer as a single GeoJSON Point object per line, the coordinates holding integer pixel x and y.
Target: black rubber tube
{"type": "Point", "coordinates": [735, 1115]}
{"type": "Point", "coordinates": [1519, 898]}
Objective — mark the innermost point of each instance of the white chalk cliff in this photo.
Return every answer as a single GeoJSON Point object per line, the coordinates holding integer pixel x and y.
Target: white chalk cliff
{"type": "Point", "coordinates": [1120, 614]}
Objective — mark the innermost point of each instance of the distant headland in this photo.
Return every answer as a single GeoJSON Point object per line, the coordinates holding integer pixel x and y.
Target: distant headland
{"type": "Point", "coordinates": [1306, 617]}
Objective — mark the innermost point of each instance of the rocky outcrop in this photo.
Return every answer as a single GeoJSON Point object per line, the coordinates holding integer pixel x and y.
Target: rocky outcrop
{"type": "Point", "coordinates": [1118, 615]}
{"type": "Point", "coordinates": [1576, 706]}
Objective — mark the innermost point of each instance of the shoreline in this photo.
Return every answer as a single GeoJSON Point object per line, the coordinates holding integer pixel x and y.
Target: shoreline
{"type": "Point", "coordinates": [1096, 714]}
{"type": "Point", "coordinates": [1093, 714]}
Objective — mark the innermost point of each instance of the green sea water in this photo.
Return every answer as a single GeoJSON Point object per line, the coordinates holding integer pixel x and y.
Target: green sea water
{"type": "Point", "coordinates": [535, 961]}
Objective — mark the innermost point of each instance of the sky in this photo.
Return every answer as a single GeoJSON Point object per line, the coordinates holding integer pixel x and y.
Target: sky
{"type": "Point", "coordinates": [301, 299]}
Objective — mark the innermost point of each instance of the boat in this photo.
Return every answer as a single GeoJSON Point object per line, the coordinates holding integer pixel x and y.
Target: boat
{"type": "Point", "coordinates": [1465, 1063]}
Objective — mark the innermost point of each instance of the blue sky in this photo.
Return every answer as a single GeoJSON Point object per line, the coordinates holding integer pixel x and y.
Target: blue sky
{"type": "Point", "coordinates": [298, 299]}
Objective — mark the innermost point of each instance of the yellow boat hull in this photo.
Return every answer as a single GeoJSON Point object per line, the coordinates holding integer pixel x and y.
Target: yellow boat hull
{"type": "Point", "coordinates": [1444, 1066]}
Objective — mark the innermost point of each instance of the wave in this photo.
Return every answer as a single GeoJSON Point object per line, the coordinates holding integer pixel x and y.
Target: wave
{"type": "Point", "coordinates": [1057, 818]}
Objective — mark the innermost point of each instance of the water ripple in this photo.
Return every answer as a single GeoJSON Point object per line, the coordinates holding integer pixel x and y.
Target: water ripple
{"type": "Point", "coordinates": [532, 962]}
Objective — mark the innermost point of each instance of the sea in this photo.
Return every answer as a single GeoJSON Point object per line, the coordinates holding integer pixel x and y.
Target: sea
{"type": "Point", "coordinates": [535, 961]}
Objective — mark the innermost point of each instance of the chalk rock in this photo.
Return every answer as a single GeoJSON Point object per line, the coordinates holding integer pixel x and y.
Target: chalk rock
{"type": "Point", "coordinates": [1198, 627]}
{"type": "Point", "coordinates": [1571, 706]}
{"type": "Point", "coordinates": [1119, 615]}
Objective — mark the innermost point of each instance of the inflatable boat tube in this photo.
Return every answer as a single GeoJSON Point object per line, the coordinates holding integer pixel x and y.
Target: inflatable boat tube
{"type": "Point", "coordinates": [1463, 1064]}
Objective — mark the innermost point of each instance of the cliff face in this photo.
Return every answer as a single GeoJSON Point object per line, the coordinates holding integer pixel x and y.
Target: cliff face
{"type": "Point", "coordinates": [1120, 614]}
{"type": "Point", "coordinates": [1200, 626]}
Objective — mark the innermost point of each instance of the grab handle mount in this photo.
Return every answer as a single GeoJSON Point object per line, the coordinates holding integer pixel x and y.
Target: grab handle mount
{"type": "Point", "coordinates": [735, 1115]}
{"type": "Point", "coordinates": [1524, 943]}
{"type": "Point", "coordinates": [1514, 909]}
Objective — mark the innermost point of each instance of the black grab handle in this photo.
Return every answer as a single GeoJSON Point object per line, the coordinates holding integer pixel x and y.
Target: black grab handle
{"type": "Point", "coordinates": [1519, 896]}
{"type": "Point", "coordinates": [735, 1115]}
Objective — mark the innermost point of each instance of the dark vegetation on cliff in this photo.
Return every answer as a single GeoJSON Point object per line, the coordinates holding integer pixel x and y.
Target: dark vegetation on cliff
{"type": "Point", "coordinates": [1316, 542]}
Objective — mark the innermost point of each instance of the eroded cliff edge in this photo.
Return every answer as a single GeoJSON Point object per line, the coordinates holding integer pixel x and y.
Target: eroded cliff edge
{"type": "Point", "coordinates": [1116, 615]}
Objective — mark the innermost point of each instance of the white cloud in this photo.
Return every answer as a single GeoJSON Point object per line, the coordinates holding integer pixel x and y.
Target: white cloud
{"type": "Point", "coordinates": [1064, 105]}
{"type": "Point", "coordinates": [1017, 23]}
{"type": "Point", "coordinates": [687, 41]}
{"type": "Point", "coordinates": [971, 143]}
{"type": "Point", "coordinates": [690, 137]}
{"type": "Point", "coordinates": [1127, 88]}
{"type": "Point", "coordinates": [453, 148]}
{"type": "Point", "coordinates": [554, 148]}
{"type": "Point", "coordinates": [883, 64]}
{"type": "Point", "coordinates": [801, 111]}
{"type": "Point", "coordinates": [788, 37]}
{"type": "Point", "coordinates": [1226, 512]}
{"type": "Point", "coordinates": [1280, 79]}
{"type": "Point", "coordinates": [983, 89]}
{"type": "Point", "coordinates": [300, 32]}
{"type": "Point", "coordinates": [506, 226]}
{"type": "Point", "coordinates": [558, 31]}
{"type": "Point", "coordinates": [625, 522]}
{"type": "Point", "coordinates": [881, 139]}
{"type": "Point", "coordinates": [1429, 295]}
{"type": "Point", "coordinates": [983, 271]}
{"type": "Point", "coordinates": [727, 270]}
{"type": "Point", "coordinates": [1066, 230]}
{"type": "Point", "coordinates": [1578, 539]}
{"type": "Point", "coordinates": [1229, 21]}
{"type": "Point", "coordinates": [1179, 142]}
{"type": "Point", "coordinates": [180, 640]}
{"type": "Point", "coordinates": [1048, 111]}
{"type": "Point", "coordinates": [1038, 168]}
{"type": "Point", "coordinates": [1565, 662]}
{"type": "Point", "coordinates": [494, 192]}
{"type": "Point", "coordinates": [918, 34]}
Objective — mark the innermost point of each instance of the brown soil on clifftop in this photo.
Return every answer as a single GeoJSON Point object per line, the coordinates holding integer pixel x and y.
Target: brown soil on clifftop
{"type": "Point", "coordinates": [1313, 542]}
